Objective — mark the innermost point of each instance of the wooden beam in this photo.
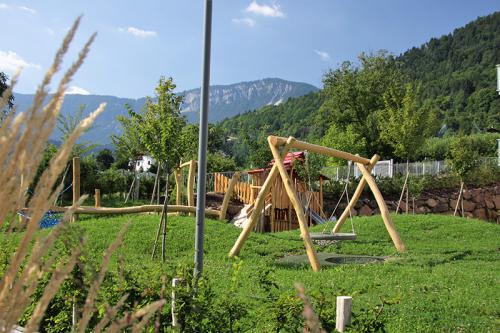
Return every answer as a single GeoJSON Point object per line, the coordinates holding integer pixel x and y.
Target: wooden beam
{"type": "Point", "coordinates": [186, 164]}
{"type": "Point", "coordinates": [292, 194]}
{"type": "Point", "coordinates": [228, 195]}
{"type": "Point", "coordinates": [135, 209]}
{"type": "Point", "coordinates": [97, 198]}
{"type": "Point", "coordinates": [400, 246]}
{"type": "Point", "coordinates": [76, 184]}
{"type": "Point", "coordinates": [294, 143]}
{"type": "Point", "coordinates": [355, 196]}
{"type": "Point", "coordinates": [258, 205]}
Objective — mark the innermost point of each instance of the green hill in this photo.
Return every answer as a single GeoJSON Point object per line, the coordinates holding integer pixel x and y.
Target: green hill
{"type": "Point", "coordinates": [457, 73]}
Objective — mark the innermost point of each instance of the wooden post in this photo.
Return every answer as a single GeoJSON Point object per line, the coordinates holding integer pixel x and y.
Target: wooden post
{"type": "Point", "coordinates": [400, 246]}
{"type": "Point", "coordinates": [76, 184]}
{"type": "Point", "coordinates": [190, 184]}
{"type": "Point", "coordinates": [177, 173]}
{"type": "Point", "coordinates": [292, 194]}
{"type": "Point", "coordinates": [228, 195]}
{"type": "Point", "coordinates": [97, 198]}
{"type": "Point", "coordinates": [175, 322]}
{"type": "Point", "coordinates": [321, 196]}
{"type": "Point", "coordinates": [258, 205]}
{"type": "Point", "coordinates": [355, 197]}
{"type": "Point", "coordinates": [344, 309]}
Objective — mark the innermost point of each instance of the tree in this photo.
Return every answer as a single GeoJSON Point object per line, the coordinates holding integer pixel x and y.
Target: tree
{"type": "Point", "coordinates": [10, 102]}
{"type": "Point", "coordinates": [354, 95]}
{"type": "Point", "coordinates": [160, 125]}
{"type": "Point", "coordinates": [105, 159]}
{"type": "Point", "coordinates": [463, 158]}
{"type": "Point", "coordinates": [344, 139]}
{"type": "Point", "coordinates": [129, 144]}
{"type": "Point", "coordinates": [404, 124]}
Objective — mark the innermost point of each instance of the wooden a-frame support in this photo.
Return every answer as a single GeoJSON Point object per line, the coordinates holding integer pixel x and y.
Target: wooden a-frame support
{"type": "Point", "coordinates": [364, 165]}
{"type": "Point", "coordinates": [190, 187]}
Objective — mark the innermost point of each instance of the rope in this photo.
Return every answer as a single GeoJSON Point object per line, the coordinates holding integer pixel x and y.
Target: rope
{"type": "Point", "coordinates": [346, 193]}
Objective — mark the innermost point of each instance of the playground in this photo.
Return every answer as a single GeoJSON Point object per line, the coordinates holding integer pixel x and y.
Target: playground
{"type": "Point", "coordinates": [422, 283]}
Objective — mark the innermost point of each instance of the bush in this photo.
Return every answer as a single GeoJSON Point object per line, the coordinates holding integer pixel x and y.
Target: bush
{"type": "Point", "coordinates": [439, 148]}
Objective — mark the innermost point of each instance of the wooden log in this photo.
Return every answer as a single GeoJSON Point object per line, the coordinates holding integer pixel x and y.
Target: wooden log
{"type": "Point", "coordinates": [355, 196]}
{"type": "Point", "coordinates": [344, 310]}
{"type": "Point", "coordinates": [321, 197]}
{"type": "Point", "coordinates": [188, 163]}
{"type": "Point", "coordinates": [135, 209]}
{"type": "Point", "coordinates": [190, 184]}
{"type": "Point", "coordinates": [228, 195]}
{"type": "Point", "coordinates": [97, 198]}
{"type": "Point", "coordinates": [258, 204]}
{"type": "Point", "coordinates": [400, 246]}
{"type": "Point", "coordinates": [279, 141]}
{"type": "Point", "coordinates": [177, 174]}
{"type": "Point", "coordinates": [76, 184]}
{"type": "Point", "coordinates": [292, 194]}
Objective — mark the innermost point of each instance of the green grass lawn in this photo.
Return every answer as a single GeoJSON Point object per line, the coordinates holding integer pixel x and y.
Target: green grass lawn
{"type": "Point", "coordinates": [447, 281]}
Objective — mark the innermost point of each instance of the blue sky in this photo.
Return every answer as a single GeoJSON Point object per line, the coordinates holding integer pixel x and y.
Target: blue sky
{"type": "Point", "coordinates": [138, 41]}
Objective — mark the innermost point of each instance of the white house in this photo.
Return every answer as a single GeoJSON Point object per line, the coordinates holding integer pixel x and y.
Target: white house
{"type": "Point", "coordinates": [143, 163]}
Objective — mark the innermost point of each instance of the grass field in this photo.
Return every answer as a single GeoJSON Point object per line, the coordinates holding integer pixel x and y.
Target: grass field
{"type": "Point", "coordinates": [447, 281]}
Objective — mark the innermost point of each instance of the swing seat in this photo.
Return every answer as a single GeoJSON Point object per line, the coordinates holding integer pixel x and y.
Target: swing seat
{"type": "Point", "coordinates": [337, 236]}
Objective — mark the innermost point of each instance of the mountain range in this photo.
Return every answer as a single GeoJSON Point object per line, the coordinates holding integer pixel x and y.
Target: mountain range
{"type": "Point", "coordinates": [225, 101]}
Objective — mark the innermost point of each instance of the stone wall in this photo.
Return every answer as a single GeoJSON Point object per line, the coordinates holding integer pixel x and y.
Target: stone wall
{"type": "Point", "coordinates": [482, 203]}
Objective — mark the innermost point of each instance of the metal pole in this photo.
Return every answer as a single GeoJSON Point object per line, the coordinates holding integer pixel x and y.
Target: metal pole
{"type": "Point", "coordinates": [202, 144]}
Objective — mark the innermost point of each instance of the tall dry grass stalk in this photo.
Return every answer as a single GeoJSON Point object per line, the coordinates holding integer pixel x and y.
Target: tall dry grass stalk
{"type": "Point", "coordinates": [23, 138]}
{"type": "Point", "coordinates": [312, 322]}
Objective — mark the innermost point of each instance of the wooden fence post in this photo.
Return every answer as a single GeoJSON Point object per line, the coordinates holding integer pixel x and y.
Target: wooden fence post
{"type": "Point", "coordinates": [97, 198]}
{"type": "Point", "coordinates": [190, 184]}
{"type": "Point", "coordinates": [76, 183]}
{"type": "Point", "coordinates": [344, 308]}
{"type": "Point", "coordinates": [175, 322]}
{"type": "Point", "coordinates": [177, 174]}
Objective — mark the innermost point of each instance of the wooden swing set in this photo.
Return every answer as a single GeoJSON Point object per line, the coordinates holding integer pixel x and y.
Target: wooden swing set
{"type": "Point", "coordinates": [364, 165]}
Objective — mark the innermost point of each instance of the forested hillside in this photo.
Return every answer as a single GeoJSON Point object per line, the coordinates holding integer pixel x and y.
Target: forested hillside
{"type": "Point", "coordinates": [458, 71]}
{"type": "Point", "coordinates": [450, 81]}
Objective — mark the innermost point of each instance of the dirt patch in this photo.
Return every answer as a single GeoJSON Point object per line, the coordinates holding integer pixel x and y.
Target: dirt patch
{"type": "Point", "coordinates": [214, 201]}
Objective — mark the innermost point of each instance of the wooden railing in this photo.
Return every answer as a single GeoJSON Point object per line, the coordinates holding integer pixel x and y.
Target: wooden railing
{"type": "Point", "coordinates": [242, 190]}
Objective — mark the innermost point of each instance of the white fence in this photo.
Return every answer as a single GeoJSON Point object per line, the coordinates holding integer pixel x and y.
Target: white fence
{"type": "Point", "coordinates": [389, 169]}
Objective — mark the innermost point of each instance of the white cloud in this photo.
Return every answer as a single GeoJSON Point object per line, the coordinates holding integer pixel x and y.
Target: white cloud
{"type": "Point", "coordinates": [27, 9]}
{"type": "Point", "coordinates": [138, 32]}
{"type": "Point", "coordinates": [265, 10]}
{"type": "Point", "coordinates": [3, 6]}
{"type": "Point", "coordinates": [74, 90]}
{"type": "Point", "coordinates": [10, 62]}
{"type": "Point", "coordinates": [322, 55]}
{"type": "Point", "coordinates": [245, 21]}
